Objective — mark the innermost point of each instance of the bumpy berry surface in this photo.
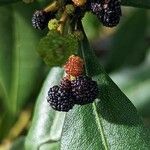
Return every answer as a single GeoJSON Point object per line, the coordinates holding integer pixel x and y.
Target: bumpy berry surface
{"type": "Point", "coordinates": [84, 90]}
{"type": "Point", "coordinates": [60, 99]}
{"type": "Point", "coordinates": [108, 11]}
{"type": "Point", "coordinates": [39, 19]}
{"type": "Point", "coordinates": [96, 8]}
{"type": "Point", "coordinates": [65, 83]}
{"type": "Point", "coordinates": [111, 13]}
{"type": "Point", "coordinates": [74, 66]}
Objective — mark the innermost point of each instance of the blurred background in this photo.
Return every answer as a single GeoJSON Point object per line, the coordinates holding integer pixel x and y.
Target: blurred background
{"type": "Point", "coordinates": [124, 51]}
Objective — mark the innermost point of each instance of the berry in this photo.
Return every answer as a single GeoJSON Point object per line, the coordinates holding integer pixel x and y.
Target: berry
{"type": "Point", "coordinates": [60, 99]}
{"type": "Point", "coordinates": [108, 11]}
{"type": "Point", "coordinates": [111, 13]}
{"type": "Point", "coordinates": [39, 19]}
{"type": "Point", "coordinates": [79, 2]}
{"type": "Point", "coordinates": [74, 66]}
{"type": "Point", "coordinates": [84, 90]}
{"type": "Point", "coordinates": [65, 83]}
{"type": "Point", "coordinates": [96, 8]}
{"type": "Point", "coordinates": [53, 24]}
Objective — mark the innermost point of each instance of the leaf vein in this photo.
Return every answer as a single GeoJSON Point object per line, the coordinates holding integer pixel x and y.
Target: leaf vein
{"type": "Point", "coordinates": [100, 126]}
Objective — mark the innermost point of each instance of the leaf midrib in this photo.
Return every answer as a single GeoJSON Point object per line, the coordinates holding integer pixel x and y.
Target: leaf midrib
{"type": "Point", "coordinates": [16, 70]}
{"type": "Point", "coordinates": [97, 117]}
{"type": "Point", "coordinates": [100, 126]}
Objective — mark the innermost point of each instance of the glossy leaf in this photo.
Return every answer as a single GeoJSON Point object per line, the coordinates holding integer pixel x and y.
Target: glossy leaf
{"type": "Point", "coordinates": [19, 61]}
{"type": "Point", "coordinates": [50, 146]}
{"type": "Point", "coordinates": [129, 45]}
{"type": "Point", "coordinates": [19, 54]}
{"type": "Point", "coordinates": [18, 144]}
{"type": "Point", "coordinates": [112, 122]}
{"type": "Point", "coordinates": [47, 124]}
{"type": "Point", "coordinates": [91, 25]}
{"type": "Point", "coordinates": [135, 83]}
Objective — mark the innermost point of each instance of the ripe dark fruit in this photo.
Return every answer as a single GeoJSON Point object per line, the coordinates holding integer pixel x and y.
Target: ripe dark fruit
{"type": "Point", "coordinates": [96, 8]}
{"type": "Point", "coordinates": [65, 83]}
{"type": "Point", "coordinates": [60, 99]}
{"type": "Point", "coordinates": [108, 11]}
{"type": "Point", "coordinates": [111, 13]}
{"type": "Point", "coordinates": [84, 90]}
{"type": "Point", "coordinates": [40, 19]}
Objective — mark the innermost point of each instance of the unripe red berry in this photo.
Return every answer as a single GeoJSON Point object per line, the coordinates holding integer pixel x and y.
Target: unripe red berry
{"type": "Point", "coordinates": [74, 66]}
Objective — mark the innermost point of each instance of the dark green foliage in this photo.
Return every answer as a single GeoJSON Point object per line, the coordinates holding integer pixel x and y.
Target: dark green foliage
{"type": "Point", "coordinates": [129, 45]}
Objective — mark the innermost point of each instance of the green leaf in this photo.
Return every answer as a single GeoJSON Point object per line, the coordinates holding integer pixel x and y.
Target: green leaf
{"type": "Point", "coordinates": [47, 124]}
{"type": "Point", "coordinates": [19, 62]}
{"type": "Point", "coordinates": [51, 146]}
{"type": "Point", "coordinates": [7, 2]}
{"type": "Point", "coordinates": [136, 3]}
{"type": "Point", "coordinates": [3, 2]}
{"type": "Point", "coordinates": [18, 144]}
{"type": "Point", "coordinates": [135, 83]}
{"type": "Point", "coordinates": [91, 25]}
{"type": "Point", "coordinates": [129, 45]}
{"type": "Point", "coordinates": [111, 122]}
{"type": "Point", "coordinates": [18, 55]}
{"type": "Point", "coordinates": [6, 122]}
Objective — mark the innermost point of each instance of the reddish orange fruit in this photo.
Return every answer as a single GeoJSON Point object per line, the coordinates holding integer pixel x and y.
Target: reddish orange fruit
{"type": "Point", "coordinates": [74, 66]}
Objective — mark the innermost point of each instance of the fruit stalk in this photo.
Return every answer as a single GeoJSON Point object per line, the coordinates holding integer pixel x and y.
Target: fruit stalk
{"type": "Point", "coordinates": [52, 7]}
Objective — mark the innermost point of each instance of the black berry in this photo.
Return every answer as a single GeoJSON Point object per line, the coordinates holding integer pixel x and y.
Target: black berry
{"type": "Point", "coordinates": [84, 90]}
{"type": "Point", "coordinates": [40, 19]}
{"type": "Point", "coordinates": [65, 83]}
{"type": "Point", "coordinates": [111, 13]}
{"type": "Point", "coordinates": [96, 8]}
{"type": "Point", "coordinates": [60, 99]}
{"type": "Point", "coordinates": [108, 11]}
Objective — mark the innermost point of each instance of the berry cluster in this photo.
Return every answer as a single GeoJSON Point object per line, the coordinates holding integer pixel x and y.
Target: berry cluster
{"type": "Point", "coordinates": [78, 89]}
{"type": "Point", "coordinates": [107, 11]}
